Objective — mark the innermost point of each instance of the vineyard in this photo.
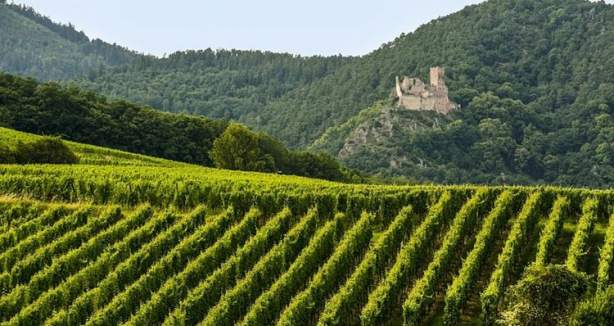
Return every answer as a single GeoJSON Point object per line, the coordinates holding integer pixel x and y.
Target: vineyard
{"type": "Point", "coordinates": [183, 245]}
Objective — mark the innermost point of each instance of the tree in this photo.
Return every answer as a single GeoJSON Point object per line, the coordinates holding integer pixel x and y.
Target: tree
{"type": "Point", "coordinates": [7, 156]}
{"type": "Point", "coordinates": [47, 150]}
{"type": "Point", "coordinates": [238, 148]}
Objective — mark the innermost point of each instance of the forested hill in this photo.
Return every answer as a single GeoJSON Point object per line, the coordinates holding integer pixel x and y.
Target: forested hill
{"type": "Point", "coordinates": [552, 55]}
{"type": "Point", "coordinates": [535, 82]}
{"type": "Point", "coordinates": [217, 83]}
{"type": "Point", "coordinates": [534, 78]}
{"type": "Point", "coordinates": [224, 84]}
{"type": "Point", "coordinates": [31, 44]}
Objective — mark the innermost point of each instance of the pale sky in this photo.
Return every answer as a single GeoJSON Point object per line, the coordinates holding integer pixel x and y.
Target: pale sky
{"type": "Point", "coordinates": [307, 27]}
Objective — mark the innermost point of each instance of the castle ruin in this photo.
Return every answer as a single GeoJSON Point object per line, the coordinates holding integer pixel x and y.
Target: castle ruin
{"type": "Point", "coordinates": [414, 94]}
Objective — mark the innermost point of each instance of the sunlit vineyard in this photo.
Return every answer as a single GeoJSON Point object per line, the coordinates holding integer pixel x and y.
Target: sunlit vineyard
{"type": "Point", "coordinates": [185, 245]}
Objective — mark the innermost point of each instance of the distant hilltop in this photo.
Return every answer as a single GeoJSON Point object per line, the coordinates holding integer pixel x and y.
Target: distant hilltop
{"type": "Point", "coordinates": [415, 95]}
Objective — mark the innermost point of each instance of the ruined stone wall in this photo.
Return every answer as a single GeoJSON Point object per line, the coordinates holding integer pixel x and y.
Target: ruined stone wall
{"type": "Point", "coordinates": [411, 102]}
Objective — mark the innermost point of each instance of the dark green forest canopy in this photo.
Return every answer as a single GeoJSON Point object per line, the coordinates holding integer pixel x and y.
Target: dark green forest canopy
{"type": "Point", "coordinates": [223, 84]}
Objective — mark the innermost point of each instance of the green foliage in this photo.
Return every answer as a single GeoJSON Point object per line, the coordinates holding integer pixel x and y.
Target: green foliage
{"type": "Point", "coordinates": [606, 257]}
{"type": "Point", "coordinates": [579, 243]}
{"type": "Point", "coordinates": [546, 295]}
{"type": "Point", "coordinates": [45, 150]}
{"type": "Point", "coordinates": [44, 293]}
{"type": "Point", "coordinates": [305, 307]}
{"type": "Point", "coordinates": [184, 243]}
{"type": "Point", "coordinates": [597, 311]}
{"type": "Point", "coordinates": [34, 150]}
{"type": "Point", "coordinates": [267, 308]}
{"type": "Point", "coordinates": [413, 254]}
{"type": "Point", "coordinates": [7, 156]}
{"type": "Point", "coordinates": [235, 302]}
{"type": "Point", "coordinates": [421, 296]}
{"type": "Point", "coordinates": [238, 148]}
{"type": "Point", "coordinates": [339, 309]}
{"type": "Point", "coordinates": [507, 262]}
{"type": "Point", "coordinates": [531, 77]}
{"type": "Point", "coordinates": [86, 154]}
{"type": "Point", "coordinates": [547, 239]}
{"type": "Point", "coordinates": [204, 296]}
{"type": "Point", "coordinates": [51, 109]}
{"type": "Point", "coordinates": [172, 281]}
{"type": "Point", "coordinates": [458, 291]}
{"type": "Point", "coordinates": [537, 107]}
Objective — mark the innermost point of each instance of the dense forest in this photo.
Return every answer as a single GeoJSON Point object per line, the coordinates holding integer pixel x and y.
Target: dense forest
{"type": "Point", "coordinates": [532, 78]}
{"type": "Point", "coordinates": [223, 84]}
{"type": "Point", "coordinates": [84, 116]}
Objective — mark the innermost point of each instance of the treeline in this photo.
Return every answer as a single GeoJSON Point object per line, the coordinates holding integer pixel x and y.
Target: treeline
{"type": "Point", "coordinates": [82, 116]}
{"type": "Point", "coordinates": [66, 31]}
{"type": "Point", "coordinates": [226, 84]}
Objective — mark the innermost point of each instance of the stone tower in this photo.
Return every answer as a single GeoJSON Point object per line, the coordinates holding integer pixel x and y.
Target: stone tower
{"type": "Point", "coordinates": [437, 77]}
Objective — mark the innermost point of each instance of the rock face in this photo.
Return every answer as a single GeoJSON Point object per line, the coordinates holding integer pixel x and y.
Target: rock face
{"type": "Point", "coordinates": [375, 131]}
{"type": "Point", "coordinates": [384, 134]}
{"type": "Point", "coordinates": [413, 94]}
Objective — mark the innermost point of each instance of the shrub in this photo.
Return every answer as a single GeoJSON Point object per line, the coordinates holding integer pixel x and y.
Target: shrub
{"type": "Point", "coordinates": [45, 150]}
{"type": "Point", "coordinates": [6, 155]}
{"type": "Point", "coordinates": [544, 296]}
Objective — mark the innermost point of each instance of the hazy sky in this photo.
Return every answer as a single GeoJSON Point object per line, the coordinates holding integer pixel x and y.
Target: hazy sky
{"type": "Point", "coordinates": [303, 27]}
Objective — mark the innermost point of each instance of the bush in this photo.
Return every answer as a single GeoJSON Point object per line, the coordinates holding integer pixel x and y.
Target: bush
{"type": "Point", "coordinates": [6, 155]}
{"type": "Point", "coordinates": [545, 296]}
{"type": "Point", "coordinates": [45, 150]}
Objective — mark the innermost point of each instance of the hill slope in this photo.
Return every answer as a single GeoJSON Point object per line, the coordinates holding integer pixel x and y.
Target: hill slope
{"type": "Point", "coordinates": [33, 45]}
{"type": "Point", "coordinates": [537, 103]}
{"type": "Point", "coordinates": [90, 154]}
{"type": "Point", "coordinates": [552, 52]}
{"type": "Point", "coordinates": [222, 84]}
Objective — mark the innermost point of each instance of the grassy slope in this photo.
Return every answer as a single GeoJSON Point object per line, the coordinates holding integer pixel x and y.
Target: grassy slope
{"type": "Point", "coordinates": [101, 161]}
{"type": "Point", "coordinates": [89, 154]}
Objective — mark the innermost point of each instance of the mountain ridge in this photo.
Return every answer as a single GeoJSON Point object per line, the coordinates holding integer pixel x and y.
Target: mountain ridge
{"type": "Point", "coordinates": [532, 78]}
{"type": "Point", "coordinates": [26, 33]}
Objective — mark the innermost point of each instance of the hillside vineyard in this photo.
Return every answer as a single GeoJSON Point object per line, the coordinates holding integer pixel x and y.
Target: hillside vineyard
{"type": "Point", "coordinates": [148, 246]}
